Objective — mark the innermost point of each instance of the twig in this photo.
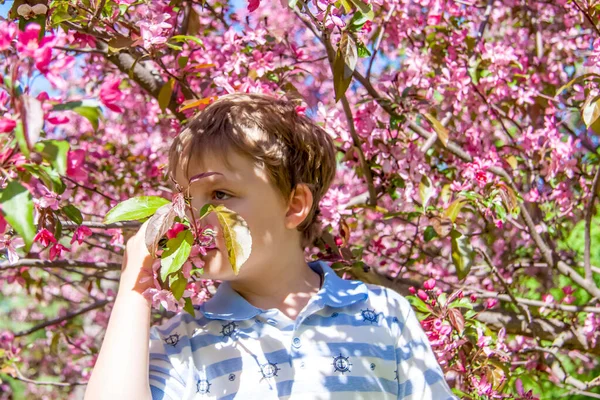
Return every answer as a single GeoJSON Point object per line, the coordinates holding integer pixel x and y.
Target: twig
{"type": "Point", "coordinates": [90, 189]}
{"type": "Point", "coordinates": [70, 225]}
{"type": "Point", "coordinates": [587, 16]}
{"type": "Point", "coordinates": [21, 377]}
{"type": "Point", "coordinates": [486, 19]}
{"type": "Point", "coordinates": [76, 50]}
{"type": "Point", "coordinates": [379, 38]}
{"type": "Point", "coordinates": [589, 213]}
{"type": "Point", "coordinates": [31, 262]}
{"type": "Point", "coordinates": [55, 321]}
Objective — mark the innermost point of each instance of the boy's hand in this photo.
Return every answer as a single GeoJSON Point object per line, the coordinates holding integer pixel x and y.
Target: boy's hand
{"type": "Point", "coordinates": [137, 263]}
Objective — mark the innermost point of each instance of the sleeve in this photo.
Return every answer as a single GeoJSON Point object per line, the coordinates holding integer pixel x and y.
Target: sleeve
{"type": "Point", "coordinates": [165, 382]}
{"type": "Point", "coordinates": [419, 375]}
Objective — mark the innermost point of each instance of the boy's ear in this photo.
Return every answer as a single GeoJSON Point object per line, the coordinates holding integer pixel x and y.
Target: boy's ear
{"type": "Point", "coordinates": [299, 206]}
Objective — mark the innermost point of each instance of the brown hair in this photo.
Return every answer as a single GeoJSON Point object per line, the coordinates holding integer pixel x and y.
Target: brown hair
{"type": "Point", "coordinates": [291, 147]}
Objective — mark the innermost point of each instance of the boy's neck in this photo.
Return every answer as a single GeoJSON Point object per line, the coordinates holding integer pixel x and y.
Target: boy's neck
{"type": "Point", "coordinates": [287, 285]}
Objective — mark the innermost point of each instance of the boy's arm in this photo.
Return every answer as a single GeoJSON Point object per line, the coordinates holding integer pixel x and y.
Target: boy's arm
{"type": "Point", "coordinates": [419, 374]}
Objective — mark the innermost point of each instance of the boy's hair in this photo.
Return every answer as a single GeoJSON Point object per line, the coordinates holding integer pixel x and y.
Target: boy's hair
{"type": "Point", "coordinates": [291, 147]}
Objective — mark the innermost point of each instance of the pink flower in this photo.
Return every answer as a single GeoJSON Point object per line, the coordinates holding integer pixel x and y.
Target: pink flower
{"type": "Point", "coordinates": [3, 223]}
{"type": "Point", "coordinates": [253, 5]}
{"type": "Point", "coordinates": [429, 284]}
{"type": "Point", "coordinates": [412, 290]}
{"type": "Point", "coordinates": [8, 31]}
{"type": "Point", "coordinates": [45, 237]}
{"type": "Point", "coordinates": [490, 303]}
{"type": "Point", "coordinates": [40, 50]}
{"type": "Point", "coordinates": [174, 231]}
{"type": "Point", "coordinates": [7, 125]}
{"type": "Point", "coordinates": [56, 251]}
{"type": "Point", "coordinates": [75, 164]}
{"type": "Point", "coordinates": [110, 94]}
{"type": "Point", "coordinates": [80, 234]}
{"type": "Point", "coordinates": [11, 244]}
{"type": "Point", "coordinates": [422, 295]}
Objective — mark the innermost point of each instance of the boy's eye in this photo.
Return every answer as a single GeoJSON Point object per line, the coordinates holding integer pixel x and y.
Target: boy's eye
{"type": "Point", "coordinates": [217, 194]}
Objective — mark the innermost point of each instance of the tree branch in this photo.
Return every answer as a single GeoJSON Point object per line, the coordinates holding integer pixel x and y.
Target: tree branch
{"type": "Point", "coordinates": [55, 321]}
{"type": "Point", "coordinates": [589, 213]}
{"type": "Point", "coordinates": [32, 262]}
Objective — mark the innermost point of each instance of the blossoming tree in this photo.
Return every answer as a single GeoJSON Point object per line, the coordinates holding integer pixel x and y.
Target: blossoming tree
{"type": "Point", "coordinates": [467, 133]}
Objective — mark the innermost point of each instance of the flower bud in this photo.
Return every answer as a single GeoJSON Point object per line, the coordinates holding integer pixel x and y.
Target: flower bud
{"type": "Point", "coordinates": [422, 295]}
{"type": "Point", "coordinates": [429, 284]}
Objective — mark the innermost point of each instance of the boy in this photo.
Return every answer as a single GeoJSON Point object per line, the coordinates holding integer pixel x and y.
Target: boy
{"type": "Point", "coordinates": [281, 328]}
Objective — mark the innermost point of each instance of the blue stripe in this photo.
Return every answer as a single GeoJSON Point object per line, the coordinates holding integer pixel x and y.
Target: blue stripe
{"type": "Point", "coordinates": [232, 365]}
{"type": "Point", "coordinates": [404, 353]}
{"type": "Point", "coordinates": [159, 356]}
{"type": "Point", "coordinates": [158, 394]}
{"type": "Point", "coordinates": [158, 378]}
{"type": "Point", "coordinates": [284, 388]}
{"type": "Point", "coordinates": [185, 317]}
{"type": "Point", "coordinates": [359, 384]}
{"type": "Point", "coordinates": [362, 350]}
{"type": "Point", "coordinates": [405, 389]}
{"type": "Point", "coordinates": [432, 376]}
{"type": "Point", "coordinates": [343, 319]}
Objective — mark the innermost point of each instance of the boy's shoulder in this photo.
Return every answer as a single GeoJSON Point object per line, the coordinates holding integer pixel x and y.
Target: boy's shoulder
{"type": "Point", "coordinates": [385, 297]}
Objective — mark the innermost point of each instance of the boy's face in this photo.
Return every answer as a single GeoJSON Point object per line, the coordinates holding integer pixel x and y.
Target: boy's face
{"type": "Point", "coordinates": [245, 189]}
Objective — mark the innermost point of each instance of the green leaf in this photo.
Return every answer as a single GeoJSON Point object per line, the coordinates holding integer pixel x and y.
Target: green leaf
{"type": "Point", "coordinates": [17, 207]}
{"type": "Point", "coordinates": [164, 96]}
{"type": "Point", "coordinates": [182, 62]}
{"type": "Point", "coordinates": [419, 304]}
{"type": "Point", "coordinates": [461, 303]}
{"type": "Point", "coordinates": [344, 65]}
{"type": "Point", "coordinates": [189, 307]}
{"type": "Point", "coordinates": [187, 38]}
{"type": "Point", "coordinates": [238, 239]}
{"type": "Point", "coordinates": [136, 208]}
{"type": "Point", "coordinates": [48, 176]}
{"type": "Point", "coordinates": [92, 114]}
{"type": "Point", "coordinates": [55, 152]}
{"type": "Point", "coordinates": [73, 213]}
{"type": "Point", "coordinates": [364, 8]}
{"type": "Point", "coordinates": [358, 20]}
{"type": "Point", "coordinates": [426, 191]}
{"type": "Point", "coordinates": [176, 253]}
{"type": "Point", "coordinates": [21, 140]}
{"type": "Point", "coordinates": [454, 209]}
{"type": "Point", "coordinates": [429, 233]}
{"type": "Point", "coordinates": [362, 50]}
{"type": "Point", "coordinates": [292, 3]}
{"type": "Point", "coordinates": [178, 286]}
{"type": "Point", "coordinates": [462, 254]}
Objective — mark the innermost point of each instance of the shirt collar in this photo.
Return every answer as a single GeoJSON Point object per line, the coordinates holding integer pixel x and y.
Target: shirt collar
{"type": "Point", "coordinates": [227, 304]}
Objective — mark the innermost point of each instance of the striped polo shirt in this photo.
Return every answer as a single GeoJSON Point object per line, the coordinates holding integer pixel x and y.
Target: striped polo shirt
{"type": "Point", "coordinates": [351, 341]}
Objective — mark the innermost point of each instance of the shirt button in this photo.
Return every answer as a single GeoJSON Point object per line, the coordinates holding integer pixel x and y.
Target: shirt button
{"type": "Point", "coordinates": [296, 342]}
{"type": "Point", "coordinates": [272, 321]}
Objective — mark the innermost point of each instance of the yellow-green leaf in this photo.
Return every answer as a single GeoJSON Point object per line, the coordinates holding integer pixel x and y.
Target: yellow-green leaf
{"type": "Point", "coordinates": [236, 233]}
{"type": "Point", "coordinates": [176, 254]}
{"type": "Point", "coordinates": [164, 96]}
{"type": "Point", "coordinates": [439, 129]}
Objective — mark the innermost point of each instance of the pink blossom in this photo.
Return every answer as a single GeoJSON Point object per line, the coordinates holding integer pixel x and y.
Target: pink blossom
{"type": "Point", "coordinates": [253, 5]}
{"type": "Point", "coordinates": [75, 165]}
{"type": "Point", "coordinates": [412, 290]}
{"type": "Point", "coordinates": [3, 223]}
{"type": "Point", "coordinates": [111, 94]}
{"type": "Point", "coordinates": [155, 30]}
{"type": "Point", "coordinates": [45, 237]}
{"type": "Point", "coordinates": [8, 30]}
{"type": "Point", "coordinates": [429, 284]}
{"type": "Point", "coordinates": [7, 125]}
{"type": "Point", "coordinates": [491, 303]}
{"type": "Point", "coordinates": [177, 227]}
{"type": "Point", "coordinates": [422, 295]}
{"type": "Point", "coordinates": [11, 244]}
{"type": "Point", "coordinates": [56, 251]}
{"type": "Point", "coordinates": [80, 234]}
{"type": "Point", "coordinates": [29, 45]}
